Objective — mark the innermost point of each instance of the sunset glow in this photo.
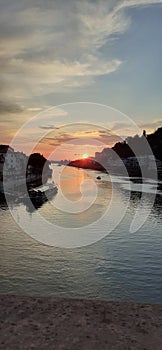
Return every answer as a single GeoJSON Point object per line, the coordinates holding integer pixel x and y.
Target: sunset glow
{"type": "Point", "coordinates": [84, 156]}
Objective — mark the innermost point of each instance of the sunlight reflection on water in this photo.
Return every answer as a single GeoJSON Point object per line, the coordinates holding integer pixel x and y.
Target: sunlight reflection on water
{"type": "Point", "coordinates": [122, 266]}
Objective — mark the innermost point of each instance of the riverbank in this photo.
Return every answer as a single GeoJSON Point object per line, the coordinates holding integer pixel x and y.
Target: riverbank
{"type": "Point", "coordinates": [50, 323]}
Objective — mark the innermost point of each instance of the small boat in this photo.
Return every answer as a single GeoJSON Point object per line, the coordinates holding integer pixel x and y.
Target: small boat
{"type": "Point", "coordinates": [43, 191]}
{"type": "Point", "coordinates": [98, 177]}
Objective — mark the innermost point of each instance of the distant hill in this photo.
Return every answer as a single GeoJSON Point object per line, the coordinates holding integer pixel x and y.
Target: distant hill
{"type": "Point", "coordinates": [87, 163]}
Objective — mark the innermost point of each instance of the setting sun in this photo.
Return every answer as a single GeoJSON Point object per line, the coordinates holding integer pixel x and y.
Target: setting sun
{"type": "Point", "coordinates": [85, 155]}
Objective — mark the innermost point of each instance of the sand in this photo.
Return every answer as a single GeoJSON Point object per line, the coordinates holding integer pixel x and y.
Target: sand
{"type": "Point", "coordinates": [59, 324]}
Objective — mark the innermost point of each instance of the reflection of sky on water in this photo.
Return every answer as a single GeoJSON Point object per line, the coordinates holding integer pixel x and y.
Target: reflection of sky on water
{"type": "Point", "coordinates": [146, 188]}
{"type": "Point", "coordinates": [122, 266]}
{"type": "Point", "coordinates": [74, 183]}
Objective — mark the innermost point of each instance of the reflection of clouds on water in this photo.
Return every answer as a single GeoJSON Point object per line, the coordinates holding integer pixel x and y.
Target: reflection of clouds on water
{"type": "Point", "coordinates": [122, 266]}
{"type": "Point", "coordinates": [74, 184]}
{"type": "Point", "coordinates": [149, 187]}
{"type": "Point", "coordinates": [143, 188]}
{"type": "Point", "coordinates": [157, 208]}
{"type": "Point", "coordinates": [79, 193]}
{"type": "Point", "coordinates": [142, 185]}
{"type": "Point", "coordinates": [87, 199]}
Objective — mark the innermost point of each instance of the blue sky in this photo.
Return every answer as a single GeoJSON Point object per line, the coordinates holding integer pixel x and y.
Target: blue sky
{"type": "Point", "coordinates": [136, 87]}
{"type": "Point", "coordinates": [53, 52]}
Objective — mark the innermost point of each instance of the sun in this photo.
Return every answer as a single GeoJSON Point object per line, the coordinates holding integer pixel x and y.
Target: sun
{"type": "Point", "coordinates": [84, 156]}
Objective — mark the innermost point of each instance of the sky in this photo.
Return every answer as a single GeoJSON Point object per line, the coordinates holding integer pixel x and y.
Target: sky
{"type": "Point", "coordinates": [58, 52]}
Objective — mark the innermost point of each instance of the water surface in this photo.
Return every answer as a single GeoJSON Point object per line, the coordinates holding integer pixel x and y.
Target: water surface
{"type": "Point", "coordinates": [122, 266]}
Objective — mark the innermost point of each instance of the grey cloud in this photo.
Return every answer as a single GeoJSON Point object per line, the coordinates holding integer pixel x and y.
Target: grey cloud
{"type": "Point", "coordinates": [102, 136]}
{"type": "Point", "coordinates": [152, 124]}
{"type": "Point", "coordinates": [50, 127]}
{"type": "Point", "coordinates": [110, 139]}
{"type": "Point", "coordinates": [58, 140]}
{"type": "Point", "coordinates": [120, 125]}
{"type": "Point", "coordinates": [7, 107]}
{"type": "Point", "coordinates": [105, 133]}
{"type": "Point", "coordinates": [54, 144]}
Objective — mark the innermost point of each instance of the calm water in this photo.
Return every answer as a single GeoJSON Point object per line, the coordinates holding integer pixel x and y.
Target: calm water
{"type": "Point", "coordinates": [122, 266]}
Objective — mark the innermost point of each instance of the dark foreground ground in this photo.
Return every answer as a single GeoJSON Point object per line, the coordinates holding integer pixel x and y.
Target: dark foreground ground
{"type": "Point", "coordinates": [59, 324]}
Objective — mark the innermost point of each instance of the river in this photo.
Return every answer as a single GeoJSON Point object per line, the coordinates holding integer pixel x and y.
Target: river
{"type": "Point", "coordinates": [120, 265]}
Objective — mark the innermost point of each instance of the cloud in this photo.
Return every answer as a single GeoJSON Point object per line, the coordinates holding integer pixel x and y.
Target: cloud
{"type": "Point", "coordinates": [51, 76]}
{"type": "Point", "coordinates": [81, 138]}
{"type": "Point", "coordinates": [152, 125]}
{"type": "Point", "coordinates": [56, 46]}
{"type": "Point", "coordinates": [42, 50]}
{"type": "Point", "coordinates": [135, 3]}
{"type": "Point", "coordinates": [50, 127]}
{"type": "Point", "coordinates": [34, 109]}
{"type": "Point", "coordinates": [7, 107]}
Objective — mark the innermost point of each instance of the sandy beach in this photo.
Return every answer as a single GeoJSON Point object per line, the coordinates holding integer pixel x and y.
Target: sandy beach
{"type": "Point", "coordinates": [50, 323]}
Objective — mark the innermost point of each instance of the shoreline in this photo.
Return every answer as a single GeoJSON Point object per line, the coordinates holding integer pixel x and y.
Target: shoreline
{"type": "Point", "coordinates": [75, 324]}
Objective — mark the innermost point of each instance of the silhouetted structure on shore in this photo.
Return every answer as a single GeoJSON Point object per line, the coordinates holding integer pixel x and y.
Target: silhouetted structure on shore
{"type": "Point", "coordinates": [133, 153]}
{"type": "Point", "coordinates": [16, 169]}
